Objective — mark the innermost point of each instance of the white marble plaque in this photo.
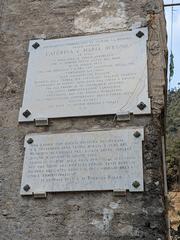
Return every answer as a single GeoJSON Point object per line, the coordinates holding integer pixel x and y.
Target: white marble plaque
{"type": "Point", "coordinates": [85, 161]}
{"type": "Point", "coordinates": [89, 75]}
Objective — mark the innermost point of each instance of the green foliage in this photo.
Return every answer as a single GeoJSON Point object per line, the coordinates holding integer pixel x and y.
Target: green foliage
{"type": "Point", "coordinates": [171, 70]}
{"type": "Point", "coordinates": [173, 137]}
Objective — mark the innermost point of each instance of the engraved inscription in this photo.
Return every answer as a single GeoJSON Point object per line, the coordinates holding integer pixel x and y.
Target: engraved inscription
{"type": "Point", "coordinates": [103, 160]}
{"type": "Point", "coordinates": [92, 75]}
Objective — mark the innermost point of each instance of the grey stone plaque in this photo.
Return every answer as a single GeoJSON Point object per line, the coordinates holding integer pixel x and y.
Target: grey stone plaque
{"type": "Point", "coordinates": [85, 161]}
{"type": "Point", "coordinates": [89, 75]}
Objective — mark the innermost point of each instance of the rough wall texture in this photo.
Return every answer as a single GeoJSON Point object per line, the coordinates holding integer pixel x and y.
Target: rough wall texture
{"type": "Point", "coordinates": [78, 216]}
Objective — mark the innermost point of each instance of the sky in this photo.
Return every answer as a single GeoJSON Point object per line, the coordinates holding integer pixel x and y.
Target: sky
{"type": "Point", "coordinates": [175, 39]}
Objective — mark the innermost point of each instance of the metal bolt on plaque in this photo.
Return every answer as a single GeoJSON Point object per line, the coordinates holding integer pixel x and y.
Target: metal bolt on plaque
{"type": "Point", "coordinates": [141, 106]}
{"type": "Point", "coordinates": [30, 141]}
{"type": "Point", "coordinates": [140, 34]}
{"type": "Point", "coordinates": [35, 45]}
{"type": "Point", "coordinates": [26, 113]}
{"type": "Point", "coordinates": [136, 184]}
{"type": "Point", "coordinates": [137, 134]}
{"type": "Point", "coordinates": [26, 188]}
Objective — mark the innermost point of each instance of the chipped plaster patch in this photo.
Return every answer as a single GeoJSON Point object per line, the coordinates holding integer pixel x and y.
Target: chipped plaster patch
{"type": "Point", "coordinates": [114, 205]}
{"type": "Point", "coordinates": [104, 224]}
{"type": "Point", "coordinates": [101, 15]}
{"type": "Point", "coordinates": [126, 230]}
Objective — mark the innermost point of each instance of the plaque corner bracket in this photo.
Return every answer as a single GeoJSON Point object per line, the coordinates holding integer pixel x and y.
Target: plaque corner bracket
{"type": "Point", "coordinates": [119, 192]}
{"type": "Point", "coordinates": [41, 122]}
{"type": "Point", "coordinates": [125, 116]}
{"type": "Point", "coordinates": [40, 194]}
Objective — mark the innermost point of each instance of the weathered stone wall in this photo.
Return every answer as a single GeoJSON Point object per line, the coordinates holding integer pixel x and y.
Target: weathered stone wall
{"type": "Point", "coordinates": [85, 215]}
